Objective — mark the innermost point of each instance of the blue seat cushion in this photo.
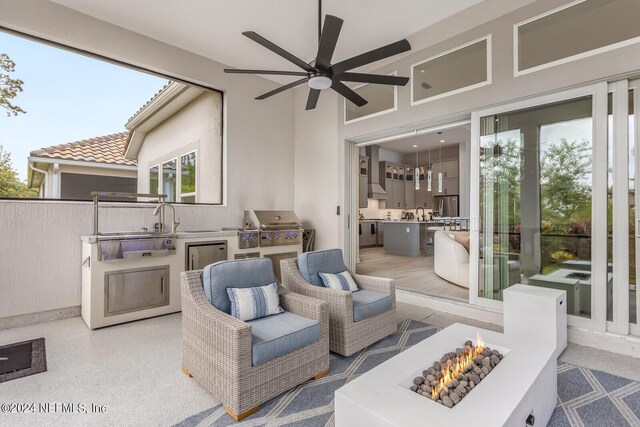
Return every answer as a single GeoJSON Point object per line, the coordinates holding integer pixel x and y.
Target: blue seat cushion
{"type": "Point", "coordinates": [241, 273]}
{"type": "Point", "coordinates": [368, 304]}
{"type": "Point", "coordinates": [312, 263]}
{"type": "Point", "coordinates": [281, 333]}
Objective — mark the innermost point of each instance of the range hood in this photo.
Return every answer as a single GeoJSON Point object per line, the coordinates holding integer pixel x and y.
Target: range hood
{"type": "Point", "coordinates": [374, 190]}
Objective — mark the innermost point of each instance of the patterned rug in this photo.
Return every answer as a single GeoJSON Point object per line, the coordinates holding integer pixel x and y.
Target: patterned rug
{"type": "Point", "coordinates": [585, 397]}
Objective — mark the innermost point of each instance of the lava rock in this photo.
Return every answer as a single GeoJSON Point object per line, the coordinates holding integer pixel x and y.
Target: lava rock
{"type": "Point", "coordinates": [418, 380]}
{"type": "Point", "coordinates": [444, 358]}
{"type": "Point", "coordinates": [414, 387]}
{"type": "Point", "coordinates": [468, 343]}
{"type": "Point", "coordinates": [486, 362]}
{"type": "Point", "coordinates": [461, 390]}
{"type": "Point", "coordinates": [474, 378]}
{"type": "Point", "coordinates": [439, 374]}
{"type": "Point", "coordinates": [472, 384]}
{"type": "Point", "coordinates": [433, 383]}
{"type": "Point", "coordinates": [464, 383]}
{"type": "Point", "coordinates": [452, 355]}
{"type": "Point", "coordinates": [495, 352]}
{"type": "Point", "coordinates": [482, 376]}
{"type": "Point", "coordinates": [431, 378]}
{"type": "Point", "coordinates": [495, 360]}
{"type": "Point", "coordinates": [468, 388]}
{"type": "Point", "coordinates": [437, 366]}
{"type": "Point", "coordinates": [501, 356]}
{"type": "Point", "coordinates": [430, 371]}
{"type": "Point", "coordinates": [425, 387]}
{"type": "Point", "coordinates": [485, 371]}
{"type": "Point", "coordinates": [486, 352]}
{"type": "Point", "coordinates": [459, 377]}
{"type": "Point", "coordinates": [444, 393]}
{"type": "Point", "coordinates": [455, 399]}
{"type": "Point", "coordinates": [446, 401]}
{"type": "Point", "coordinates": [454, 383]}
{"type": "Point", "coordinates": [478, 359]}
{"type": "Point", "coordinates": [477, 370]}
{"type": "Point", "coordinates": [459, 352]}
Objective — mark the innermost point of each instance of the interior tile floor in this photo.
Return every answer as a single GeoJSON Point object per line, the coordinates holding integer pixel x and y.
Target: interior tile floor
{"type": "Point", "coordinates": [134, 370]}
{"type": "Point", "coordinates": [410, 273]}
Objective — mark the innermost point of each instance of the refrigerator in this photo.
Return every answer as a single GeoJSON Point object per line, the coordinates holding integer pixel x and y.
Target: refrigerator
{"type": "Point", "coordinates": [447, 206]}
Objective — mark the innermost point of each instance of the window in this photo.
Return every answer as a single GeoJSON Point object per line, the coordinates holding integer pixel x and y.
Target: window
{"type": "Point", "coordinates": [576, 30]}
{"type": "Point", "coordinates": [460, 69]}
{"type": "Point", "coordinates": [188, 178]}
{"type": "Point", "coordinates": [153, 180]}
{"type": "Point", "coordinates": [381, 99]}
{"type": "Point", "coordinates": [68, 103]}
{"type": "Point", "coordinates": [178, 179]}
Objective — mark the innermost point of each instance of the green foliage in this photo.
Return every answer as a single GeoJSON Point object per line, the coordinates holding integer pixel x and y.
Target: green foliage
{"type": "Point", "coordinates": [9, 87]}
{"type": "Point", "coordinates": [10, 185]}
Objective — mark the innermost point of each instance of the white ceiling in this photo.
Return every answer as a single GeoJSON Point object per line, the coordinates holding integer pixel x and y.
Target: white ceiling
{"type": "Point", "coordinates": [213, 28]}
{"type": "Point", "coordinates": [451, 137]}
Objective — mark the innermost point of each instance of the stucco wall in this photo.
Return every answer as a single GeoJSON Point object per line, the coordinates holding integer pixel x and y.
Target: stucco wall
{"type": "Point", "coordinates": [195, 127]}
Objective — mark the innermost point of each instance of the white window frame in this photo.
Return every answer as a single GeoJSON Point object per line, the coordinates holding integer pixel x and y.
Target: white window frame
{"type": "Point", "coordinates": [195, 193]}
{"type": "Point", "coordinates": [459, 90]}
{"type": "Point", "coordinates": [161, 177]}
{"type": "Point", "coordinates": [379, 113]}
{"type": "Point", "coordinates": [517, 72]}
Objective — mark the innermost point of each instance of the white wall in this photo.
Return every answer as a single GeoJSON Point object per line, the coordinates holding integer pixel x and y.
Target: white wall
{"type": "Point", "coordinates": [459, 29]}
{"type": "Point", "coordinates": [195, 127]}
{"type": "Point", "coordinates": [316, 171]}
{"type": "Point", "coordinates": [40, 249]}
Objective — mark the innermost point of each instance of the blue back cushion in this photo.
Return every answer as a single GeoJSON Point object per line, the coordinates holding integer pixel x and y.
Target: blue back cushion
{"type": "Point", "coordinates": [242, 273]}
{"type": "Point", "coordinates": [312, 263]}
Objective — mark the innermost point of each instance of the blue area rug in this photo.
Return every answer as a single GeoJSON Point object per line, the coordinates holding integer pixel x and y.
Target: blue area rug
{"type": "Point", "coordinates": [585, 397]}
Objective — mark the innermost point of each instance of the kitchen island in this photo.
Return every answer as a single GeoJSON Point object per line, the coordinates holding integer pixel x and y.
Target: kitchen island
{"type": "Point", "coordinates": [404, 238]}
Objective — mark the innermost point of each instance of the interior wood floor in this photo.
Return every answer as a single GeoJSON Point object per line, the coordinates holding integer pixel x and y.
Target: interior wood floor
{"type": "Point", "coordinates": [410, 273]}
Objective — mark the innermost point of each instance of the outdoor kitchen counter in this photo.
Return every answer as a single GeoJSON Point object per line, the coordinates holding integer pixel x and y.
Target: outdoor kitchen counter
{"type": "Point", "coordinates": [91, 238]}
{"type": "Point", "coordinates": [404, 238]}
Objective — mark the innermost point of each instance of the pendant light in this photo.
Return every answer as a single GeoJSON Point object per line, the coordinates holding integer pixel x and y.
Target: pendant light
{"type": "Point", "coordinates": [416, 171]}
{"type": "Point", "coordinates": [440, 162]}
{"type": "Point", "coordinates": [429, 177]}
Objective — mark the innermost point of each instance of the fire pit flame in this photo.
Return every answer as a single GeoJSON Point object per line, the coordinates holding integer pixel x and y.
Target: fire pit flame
{"type": "Point", "coordinates": [452, 369]}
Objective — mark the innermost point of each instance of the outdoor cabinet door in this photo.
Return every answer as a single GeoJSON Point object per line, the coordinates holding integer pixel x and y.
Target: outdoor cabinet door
{"type": "Point", "coordinates": [409, 195]}
{"type": "Point", "coordinates": [363, 191]}
{"type": "Point", "coordinates": [136, 289]}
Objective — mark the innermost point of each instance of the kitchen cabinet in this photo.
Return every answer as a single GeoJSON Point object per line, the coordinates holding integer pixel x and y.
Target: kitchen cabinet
{"type": "Point", "coordinates": [449, 169]}
{"type": "Point", "coordinates": [398, 194]}
{"type": "Point", "coordinates": [450, 186]}
{"type": "Point", "coordinates": [363, 168]}
{"type": "Point", "coordinates": [409, 195]}
{"type": "Point", "coordinates": [136, 289]}
{"type": "Point", "coordinates": [363, 189]}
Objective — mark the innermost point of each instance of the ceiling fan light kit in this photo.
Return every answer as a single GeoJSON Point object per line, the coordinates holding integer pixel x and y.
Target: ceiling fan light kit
{"type": "Point", "coordinates": [323, 74]}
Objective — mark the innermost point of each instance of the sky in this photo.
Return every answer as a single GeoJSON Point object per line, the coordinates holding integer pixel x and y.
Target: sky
{"type": "Point", "coordinates": [67, 97]}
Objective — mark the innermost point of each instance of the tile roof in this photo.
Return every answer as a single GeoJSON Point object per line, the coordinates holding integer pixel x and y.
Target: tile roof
{"type": "Point", "coordinates": [155, 95]}
{"type": "Point", "coordinates": [101, 149]}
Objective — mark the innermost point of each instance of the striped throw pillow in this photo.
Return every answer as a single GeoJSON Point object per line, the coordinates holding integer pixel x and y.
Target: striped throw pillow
{"type": "Point", "coordinates": [254, 303]}
{"type": "Point", "coordinates": [341, 281]}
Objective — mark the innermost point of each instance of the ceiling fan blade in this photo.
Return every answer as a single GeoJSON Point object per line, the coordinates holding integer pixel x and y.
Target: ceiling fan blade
{"type": "Point", "coordinates": [371, 56]}
{"type": "Point", "coordinates": [278, 50]}
{"type": "Point", "coordinates": [278, 73]}
{"type": "Point", "coordinates": [328, 40]}
{"type": "Point", "coordinates": [312, 100]}
{"type": "Point", "coordinates": [282, 88]}
{"type": "Point", "coordinates": [343, 90]}
{"type": "Point", "coordinates": [372, 78]}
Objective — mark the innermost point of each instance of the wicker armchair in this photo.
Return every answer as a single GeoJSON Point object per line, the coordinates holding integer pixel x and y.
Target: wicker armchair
{"type": "Point", "coordinates": [217, 350]}
{"type": "Point", "coordinates": [346, 336]}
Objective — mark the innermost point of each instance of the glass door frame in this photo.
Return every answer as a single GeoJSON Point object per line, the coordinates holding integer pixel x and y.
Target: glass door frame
{"type": "Point", "coordinates": [620, 323]}
{"type": "Point", "coordinates": [598, 92]}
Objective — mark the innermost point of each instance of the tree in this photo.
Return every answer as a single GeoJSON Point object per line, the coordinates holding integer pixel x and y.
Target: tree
{"type": "Point", "coordinates": [10, 184]}
{"type": "Point", "coordinates": [9, 87]}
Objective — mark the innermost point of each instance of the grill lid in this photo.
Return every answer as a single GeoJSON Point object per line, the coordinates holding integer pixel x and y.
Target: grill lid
{"type": "Point", "coordinates": [274, 220]}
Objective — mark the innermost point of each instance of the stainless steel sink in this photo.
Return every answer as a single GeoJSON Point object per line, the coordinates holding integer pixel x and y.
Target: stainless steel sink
{"type": "Point", "coordinates": [198, 231]}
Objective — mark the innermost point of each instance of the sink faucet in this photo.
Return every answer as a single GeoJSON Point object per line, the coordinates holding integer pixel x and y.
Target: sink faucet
{"type": "Point", "coordinates": [160, 210]}
{"type": "Point", "coordinates": [424, 217]}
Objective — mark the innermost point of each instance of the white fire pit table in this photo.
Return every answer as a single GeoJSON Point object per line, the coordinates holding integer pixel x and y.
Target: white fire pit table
{"type": "Point", "coordinates": [521, 390]}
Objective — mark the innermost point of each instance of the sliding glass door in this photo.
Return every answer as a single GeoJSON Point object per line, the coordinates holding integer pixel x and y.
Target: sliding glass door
{"type": "Point", "coordinates": [534, 209]}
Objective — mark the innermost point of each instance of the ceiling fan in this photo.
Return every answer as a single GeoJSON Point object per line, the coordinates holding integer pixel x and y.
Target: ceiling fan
{"type": "Point", "coordinates": [321, 73]}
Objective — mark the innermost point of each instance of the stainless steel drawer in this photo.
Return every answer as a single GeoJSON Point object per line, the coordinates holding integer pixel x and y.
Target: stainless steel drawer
{"type": "Point", "coordinates": [135, 289]}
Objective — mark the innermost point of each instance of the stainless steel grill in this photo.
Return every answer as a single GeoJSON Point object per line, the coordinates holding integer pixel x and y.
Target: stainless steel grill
{"type": "Point", "coordinates": [270, 228]}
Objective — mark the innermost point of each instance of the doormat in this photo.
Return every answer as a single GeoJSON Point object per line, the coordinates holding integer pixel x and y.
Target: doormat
{"type": "Point", "coordinates": [22, 359]}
